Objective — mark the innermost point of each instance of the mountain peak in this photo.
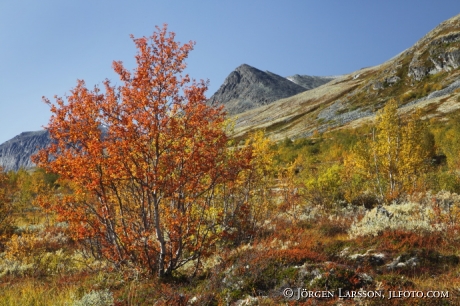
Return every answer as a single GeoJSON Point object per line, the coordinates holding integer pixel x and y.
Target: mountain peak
{"type": "Point", "coordinates": [247, 87]}
{"type": "Point", "coordinates": [244, 67]}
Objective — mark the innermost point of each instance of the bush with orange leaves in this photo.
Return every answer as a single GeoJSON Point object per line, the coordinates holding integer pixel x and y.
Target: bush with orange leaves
{"type": "Point", "coordinates": [144, 159]}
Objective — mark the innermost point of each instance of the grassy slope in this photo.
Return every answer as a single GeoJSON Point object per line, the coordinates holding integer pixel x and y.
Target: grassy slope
{"type": "Point", "coordinates": [297, 116]}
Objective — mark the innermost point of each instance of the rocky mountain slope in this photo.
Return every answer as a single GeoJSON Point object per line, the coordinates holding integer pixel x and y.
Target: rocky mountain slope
{"type": "Point", "coordinates": [247, 87]}
{"type": "Point", "coordinates": [309, 81]}
{"type": "Point", "coordinates": [425, 75]}
{"type": "Point", "coordinates": [16, 152]}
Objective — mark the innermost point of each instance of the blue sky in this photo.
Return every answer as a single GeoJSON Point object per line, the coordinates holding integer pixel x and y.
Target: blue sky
{"type": "Point", "coordinates": [46, 45]}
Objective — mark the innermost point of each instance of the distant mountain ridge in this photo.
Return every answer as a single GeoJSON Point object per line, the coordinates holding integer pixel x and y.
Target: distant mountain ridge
{"type": "Point", "coordinates": [16, 152]}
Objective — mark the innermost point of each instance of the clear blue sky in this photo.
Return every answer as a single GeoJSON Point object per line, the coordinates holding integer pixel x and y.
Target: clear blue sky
{"type": "Point", "coordinates": [46, 45]}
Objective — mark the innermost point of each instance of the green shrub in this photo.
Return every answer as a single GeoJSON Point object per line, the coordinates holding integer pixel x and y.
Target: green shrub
{"type": "Point", "coordinates": [325, 188]}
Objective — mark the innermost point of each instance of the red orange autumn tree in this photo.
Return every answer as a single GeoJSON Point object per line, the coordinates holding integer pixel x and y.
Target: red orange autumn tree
{"type": "Point", "coordinates": [144, 159]}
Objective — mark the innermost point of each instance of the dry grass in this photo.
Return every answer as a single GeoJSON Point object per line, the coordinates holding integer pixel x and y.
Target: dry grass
{"type": "Point", "coordinates": [32, 292]}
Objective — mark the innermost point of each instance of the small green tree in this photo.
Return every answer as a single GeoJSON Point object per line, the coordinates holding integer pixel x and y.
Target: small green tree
{"type": "Point", "coordinates": [324, 186]}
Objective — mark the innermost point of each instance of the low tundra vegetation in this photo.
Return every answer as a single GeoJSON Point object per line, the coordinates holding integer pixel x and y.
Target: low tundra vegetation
{"type": "Point", "coordinates": [399, 244]}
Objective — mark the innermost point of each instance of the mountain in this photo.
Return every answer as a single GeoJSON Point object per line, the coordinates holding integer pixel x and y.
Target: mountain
{"type": "Point", "coordinates": [247, 87]}
{"type": "Point", "coordinates": [424, 76]}
{"type": "Point", "coordinates": [310, 82]}
{"type": "Point", "coordinates": [16, 152]}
